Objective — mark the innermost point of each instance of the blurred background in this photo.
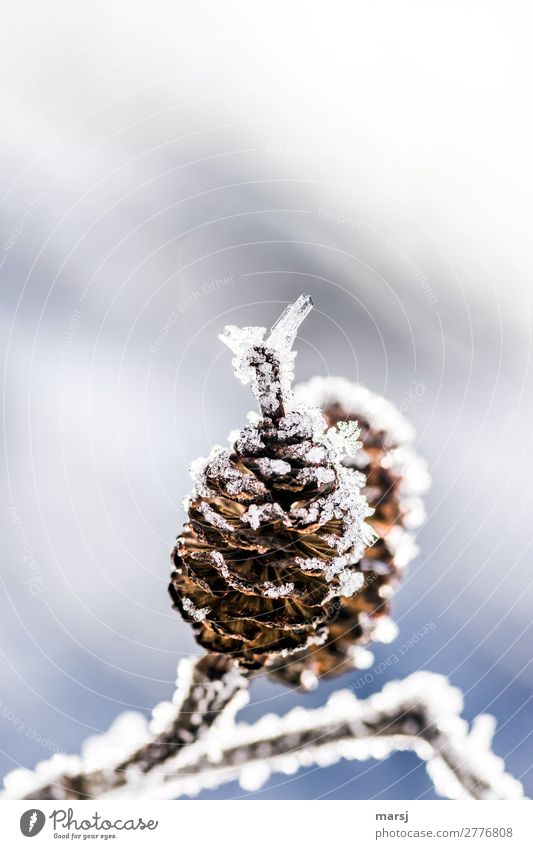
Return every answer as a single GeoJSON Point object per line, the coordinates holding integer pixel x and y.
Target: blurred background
{"type": "Point", "coordinates": [166, 170]}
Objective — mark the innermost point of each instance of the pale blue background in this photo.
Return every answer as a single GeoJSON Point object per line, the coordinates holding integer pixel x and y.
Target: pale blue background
{"type": "Point", "coordinates": [345, 155]}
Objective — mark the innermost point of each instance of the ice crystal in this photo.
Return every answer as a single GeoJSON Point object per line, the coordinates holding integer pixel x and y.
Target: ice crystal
{"type": "Point", "coordinates": [268, 364]}
{"type": "Point", "coordinates": [198, 613]}
{"type": "Point", "coordinates": [219, 466]}
{"type": "Point", "coordinates": [309, 564]}
{"type": "Point", "coordinates": [272, 468]}
{"type": "Point", "coordinates": [214, 518]}
{"type": "Point", "coordinates": [273, 591]}
{"type": "Point", "coordinates": [256, 514]}
{"type": "Point", "coordinates": [283, 332]}
{"type": "Point", "coordinates": [349, 582]}
{"type": "Point", "coordinates": [296, 425]}
{"type": "Point", "coordinates": [247, 440]}
{"type": "Point", "coordinates": [344, 438]}
{"type": "Point", "coordinates": [316, 454]}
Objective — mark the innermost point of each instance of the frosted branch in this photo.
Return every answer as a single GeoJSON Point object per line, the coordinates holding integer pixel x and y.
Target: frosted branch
{"type": "Point", "coordinates": [420, 714]}
{"type": "Point", "coordinates": [206, 688]}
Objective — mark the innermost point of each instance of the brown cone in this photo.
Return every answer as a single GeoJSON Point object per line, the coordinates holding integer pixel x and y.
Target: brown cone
{"type": "Point", "coordinates": [274, 525]}
{"type": "Point", "coordinates": [395, 478]}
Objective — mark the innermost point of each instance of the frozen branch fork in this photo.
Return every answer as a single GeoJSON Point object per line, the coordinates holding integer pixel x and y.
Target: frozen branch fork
{"type": "Point", "coordinates": [420, 713]}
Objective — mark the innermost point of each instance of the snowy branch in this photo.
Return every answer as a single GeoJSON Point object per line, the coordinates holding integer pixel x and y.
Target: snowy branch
{"type": "Point", "coordinates": [206, 688]}
{"type": "Point", "coordinates": [420, 713]}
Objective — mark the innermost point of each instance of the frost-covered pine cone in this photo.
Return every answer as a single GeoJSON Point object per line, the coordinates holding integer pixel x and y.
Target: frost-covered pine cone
{"type": "Point", "coordinates": [395, 479]}
{"type": "Point", "coordinates": [276, 525]}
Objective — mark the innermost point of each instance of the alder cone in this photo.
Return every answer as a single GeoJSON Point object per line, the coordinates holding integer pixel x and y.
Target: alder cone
{"type": "Point", "coordinates": [276, 525]}
{"type": "Point", "coordinates": [395, 478]}
{"type": "Point", "coordinates": [260, 564]}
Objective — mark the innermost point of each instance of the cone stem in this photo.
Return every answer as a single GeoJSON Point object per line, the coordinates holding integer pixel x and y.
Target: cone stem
{"type": "Point", "coordinates": [268, 364]}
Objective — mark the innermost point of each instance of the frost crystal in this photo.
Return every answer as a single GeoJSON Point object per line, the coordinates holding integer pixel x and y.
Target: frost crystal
{"type": "Point", "coordinates": [218, 466]}
{"type": "Point", "coordinates": [259, 513]}
{"type": "Point", "coordinates": [198, 613]}
{"type": "Point", "coordinates": [272, 468]}
{"type": "Point", "coordinates": [284, 331]}
{"type": "Point", "coordinates": [214, 518]}
{"type": "Point", "coordinates": [268, 364]}
{"type": "Point", "coordinates": [344, 438]}
{"type": "Point", "coordinates": [272, 591]}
